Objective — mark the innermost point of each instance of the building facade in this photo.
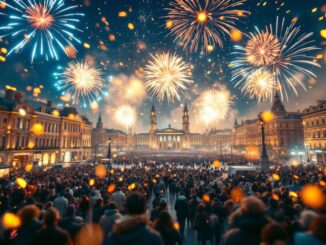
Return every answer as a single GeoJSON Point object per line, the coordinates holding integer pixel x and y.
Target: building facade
{"type": "Point", "coordinates": [283, 134]}
{"type": "Point", "coordinates": [167, 138]}
{"type": "Point", "coordinates": [41, 134]}
{"type": "Point", "coordinates": [101, 137]}
{"type": "Point", "coordinates": [314, 124]}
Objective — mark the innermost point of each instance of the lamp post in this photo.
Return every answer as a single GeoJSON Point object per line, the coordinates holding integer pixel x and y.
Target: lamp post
{"type": "Point", "coordinates": [263, 157]}
{"type": "Point", "coordinates": [109, 154]}
{"type": "Point", "coordinates": [308, 159]}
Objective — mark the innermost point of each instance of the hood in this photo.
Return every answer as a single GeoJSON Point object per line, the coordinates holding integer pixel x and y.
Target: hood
{"type": "Point", "coordinates": [128, 227]}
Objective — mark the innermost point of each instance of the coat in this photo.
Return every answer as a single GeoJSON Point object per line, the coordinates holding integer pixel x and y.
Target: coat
{"type": "Point", "coordinates": [107, 220]}
{"type": "Point", "coordinates": [181, 207]}
{"type": "Point", "coordinates": [246, 229]}
{"type": "Point", "coordinates": [72, 225]}
{"type": "Point", "coordinates": [133, 230]}
{"type": "Point", "coordinates": [26, 233]}
{"type": "Point", "coordinates": [52, 235]}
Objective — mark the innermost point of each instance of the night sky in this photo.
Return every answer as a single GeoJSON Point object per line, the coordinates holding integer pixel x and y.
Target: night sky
{"type": "Point", "coordinates": [132, 49]}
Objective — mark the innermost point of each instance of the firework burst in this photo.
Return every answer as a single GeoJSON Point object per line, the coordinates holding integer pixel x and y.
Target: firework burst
{"type": "Point", "coordinates": [80, 80]}
{"type": "Point", "coordinates": [202, 24]}
{"type": "Point", "coordinates": [125, 115]}
{"type": "Point", "coordinates": [214, 105]}
{"type": "Point", "coordinates": [263, 48]}
{"type": "Point", "coordinates": [45, 25]}
{"type": "Point", "coordinates": [280, 50]}
{"type": "Point", "coordinates": [129, 89]}
{"type": "Point", "coordinates": [167, 75]}
{"type": "Point", "coordinates": [260, 85]}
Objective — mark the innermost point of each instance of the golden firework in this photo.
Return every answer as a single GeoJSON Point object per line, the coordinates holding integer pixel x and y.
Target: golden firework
{"type": "Point", "coordinates": [81, 79]}
{"type": "Point", "coordinates": [128, 89]}
{"type": "Point", "coordinates": [214, 105]}
{"type": "Point", "coordinates": [261, 86]}
{"type": "Point", "coordinates": [125, 115]}
{"type": "Point", "coordinates": [167, 75]}
{"type": "Point", "coordinates": [200, 24]}
{"type": "Point", "coordinates": [263, 48]}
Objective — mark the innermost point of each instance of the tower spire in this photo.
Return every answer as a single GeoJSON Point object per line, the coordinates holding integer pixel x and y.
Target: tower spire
{"type": "Point", "coordinates": [99, 123]}
{"type": "Point", "coordinates": [236, 124]}
{"type": "Point", "coordinates": [185, 109]}
{"type": "Point", "coordinates": [185, 120]}
{"type": "Point", "coordinates": [153, 124]}
{"type": "Point", "coordinates": [278, 107]}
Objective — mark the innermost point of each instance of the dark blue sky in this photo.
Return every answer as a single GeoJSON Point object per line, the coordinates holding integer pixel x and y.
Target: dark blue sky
{"type": "Point", "coordinates": [146, 15]}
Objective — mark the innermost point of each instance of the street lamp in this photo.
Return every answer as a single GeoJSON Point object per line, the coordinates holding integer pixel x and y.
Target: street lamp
{"type": "Point", "coordinates": [308, 159]}
{"type": "Point", "coordinates": [263, 157]}
{"type": "Point", "coordinates": [109, 154]}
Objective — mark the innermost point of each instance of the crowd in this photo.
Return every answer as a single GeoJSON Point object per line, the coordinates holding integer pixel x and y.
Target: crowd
{"type": "Point", "coordinates": [161, 203]}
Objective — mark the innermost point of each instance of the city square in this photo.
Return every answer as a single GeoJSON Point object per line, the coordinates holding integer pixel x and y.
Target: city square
{"type": "Point", "coordinates": [162, 122]}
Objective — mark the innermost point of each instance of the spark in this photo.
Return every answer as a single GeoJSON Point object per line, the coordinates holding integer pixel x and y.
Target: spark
{"type": "Point", "coordinates": [44, 25]}
{"type": "Point", "coordinates": [214, 105]}
{"type": "Point", "coordinates": [197, 24]}
{"type": "Point", "coordinates": [80, 79]}
{"type": "Point", "coordinates": [281, 50]}
{"type": "Point", "coordinates": [167, 75]}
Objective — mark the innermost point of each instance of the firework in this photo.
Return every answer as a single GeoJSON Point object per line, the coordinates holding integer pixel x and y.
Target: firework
{"type": "Point", "coordinates": [80, 80]}
{"type": "Point", "coordinates": [167, 76]}
{"type": "Point", "coordinates": [214, 105]}
{"type": "Point", "coordinates": [280, 50]}
{"type": "Point", "coordinates": [45, 25]}
{"type": "Point", "coordinates": [201, 24]}
{"type": "Point", "coordinates": [128, 89]}
{"type": "Point", "coordinates": [263, 48]}
{"type": "Point", "coordinates": [125, 115]}
{"type": "Point", "coordinates": [259, 85]}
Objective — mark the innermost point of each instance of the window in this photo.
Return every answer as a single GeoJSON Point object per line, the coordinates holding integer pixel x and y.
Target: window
{"type": "Point", "coordinates": [4, 122]}
{"type": "Point", "coordinates": [21, 124]}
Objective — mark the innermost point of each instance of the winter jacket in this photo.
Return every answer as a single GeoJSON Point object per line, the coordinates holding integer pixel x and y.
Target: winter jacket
{"type": "Point", "coordinates": [133, 230]}
{"type": "Point", "coordinates": [107, 220]}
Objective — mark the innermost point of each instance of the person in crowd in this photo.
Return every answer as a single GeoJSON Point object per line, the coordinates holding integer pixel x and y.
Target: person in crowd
{"type": "Point", "coordinates": [167, 228]}
{"type": "Point", "coordinates": [274, 234]}
{"type": "Point", "coordinates": [110, 215]}
{"type": "Point", "coordinates": [192, 207]}
{"type": "Point", "coordinates": [163, 205]}
{"type": "Point", "coordinates": [247, 222]}
{"type": "Point", "coordinates": [61, 204]}
{"type": "Point", "coordinates": [316, 234]}
{"type": "Point", "coordinates": [274, 211]}
{"type": "Point", "coordinates": [181, 209]}
{"type": "Point", "coordinates": [202, 225]}
{"type": "Point", "coordinates": [98, 210]}
{"type": "Point", "coordinates": [71, 222]}
{"type": "Point", "coordinates": [84, 208]}
{"type": "Point", "coordinates": [51, 233]}
{"type": "Point", "coordinates": [119, 198]}
{"type": "Point", "coordinates": [133, 228]}
{"type": "Point", "coordinates": [29, 225]}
